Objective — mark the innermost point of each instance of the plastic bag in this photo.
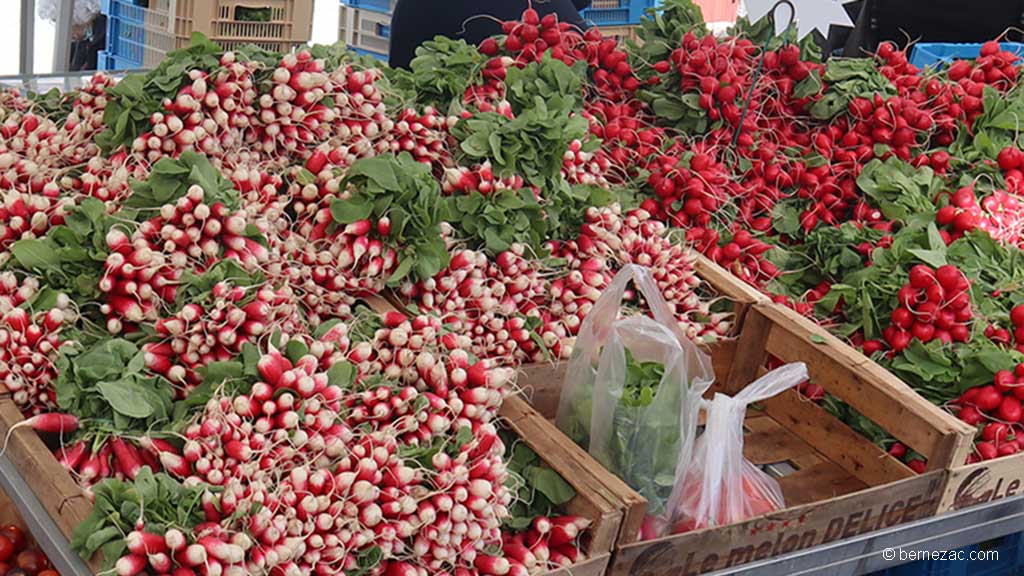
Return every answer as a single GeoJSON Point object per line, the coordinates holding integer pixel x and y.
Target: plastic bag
{"type": "Point", "coordinates": [639, 433]}
{"type": "Point", "coordinates": [720, 486]}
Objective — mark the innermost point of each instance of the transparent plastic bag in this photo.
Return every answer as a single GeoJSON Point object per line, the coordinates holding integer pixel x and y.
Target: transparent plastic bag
{"type": "Point", "coordinates": [641, 437]}
{"type": "Point", "coordinates": [720, 486]}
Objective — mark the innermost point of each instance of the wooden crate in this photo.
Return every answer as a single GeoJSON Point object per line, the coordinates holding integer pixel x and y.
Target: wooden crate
{"type": "Point", "coordinates": [595, 487]}
{"type": "Point", "coordinates": [68, 506]}
{"type": "Point", "coordinates": [58, 493]}
{"type": "Point", "coordinates": [843, 485]}
{"type": "Point", "coordinates": [620, 33]}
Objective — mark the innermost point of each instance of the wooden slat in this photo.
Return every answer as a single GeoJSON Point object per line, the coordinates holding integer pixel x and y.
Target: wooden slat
{"type": "Point", "coordinates": [722, 356]}
{"type": "Point", "coordinates": [816, 478]}
{"type": "Point", "coordinates": [770, 443]}
{"type": "Point", "coordinates": [819, 482]}
{"type": "Point", "coordinates": [835, 440]}
{"type": "Point", "coordinates": [379, 303]}
{"type": "Point", "coordinates": [52, 485]}
{"type": "Point", "coordinates": [796, 528]}
{"type": "Point", "coordinates": [750, 356]}
{"type": "Point", "coordinates": [597, 490]}
{"type": "Point", "coordinates": [866, 386]}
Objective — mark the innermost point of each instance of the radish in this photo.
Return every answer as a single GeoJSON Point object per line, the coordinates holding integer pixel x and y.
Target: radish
{"type": "Point", "coordinates": [142, 543]}
{"type": "Point", "coordinates": [52, 423]}
{"type": "Point", "coordinates": [131, 565]}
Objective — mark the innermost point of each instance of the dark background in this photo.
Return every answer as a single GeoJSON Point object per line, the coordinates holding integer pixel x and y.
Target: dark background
{"type": "Point", "coordinates": [904, 21]}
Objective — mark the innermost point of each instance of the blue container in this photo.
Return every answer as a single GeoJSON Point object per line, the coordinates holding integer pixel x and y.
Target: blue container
{"type": "Point", "coordinates": [108, 62]}
{"type": "Point", "coordinates": [126, 34]}
{"type": "Point", "coordinates": [628, 13]}
{"type": "Point", "coordinates": [123, 9]}
{"type": "Point", "coordinates": [364, 52]}
{"type": "Point", "coordinates": [382, 6]}
{"type": "Point", "coordinates": [1010, 561]}
{"type": "Point", "coordinates": [938, 54]}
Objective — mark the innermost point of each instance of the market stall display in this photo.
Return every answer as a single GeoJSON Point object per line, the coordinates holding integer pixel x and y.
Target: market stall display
{"type": "Point", "coordinates": [199, 367]}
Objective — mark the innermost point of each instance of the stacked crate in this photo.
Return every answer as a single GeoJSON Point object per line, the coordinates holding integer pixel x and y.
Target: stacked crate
{"type": "Point", "coordinates": [602, 13]}
{"type": "Point", "coordinates": [617, 18]}
{"type": "Point", "coordinates": [365, 26]}
{"type": "Point", "coordinates": [140, 33]}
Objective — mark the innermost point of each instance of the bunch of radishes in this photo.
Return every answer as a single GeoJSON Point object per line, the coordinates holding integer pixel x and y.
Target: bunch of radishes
{"type": "Point", "coordinates": [312, 477]}
{"type": "Point", "coordinates": [580, 166]}
{"type": "Point", "coordinates": [106, 178]}
{"type": "Point", "coordinates": [119, 458]}
{"type": "Point", "coordinates": [30, 343]}
{"type": "Point", "coordinates": [215, 329]}
{"type": "Point", "coordinates": [422, 135]}
{"type": "Point", "coordinates": [142, 270]}
{"type": "Point", "coordinates": [611, 239]}
{"type": "Point", "coordinates": [210, 114]}
{"type": "Point", "coordinates": [484, 304]}
{"type": "Point", "coordinates": [934, 305]}
{"type": "Point", "coordinates": [327, 258]}
{"type": "Point", "coordinates": [26, 215]}
{"type": "Point", "coordinates": [478, 178]}
{"type": "Point", "coordinates": [896, 121]}
{"type": "Point", "coordinates": [960, 216]}
{"type": "Point", "coordinates": [993, 67]}
{"type": "Point", "coordinates": [549, 543]}
{"type": "Point", "coordinates": [996, 409]}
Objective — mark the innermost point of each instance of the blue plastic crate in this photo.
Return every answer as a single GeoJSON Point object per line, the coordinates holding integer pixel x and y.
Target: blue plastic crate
{"type": "Point", "coordinates": [126, 10]}
{"type": "Point", "coordinates": [383, 6]}
{"type": "Point", "coordinates": [1010, 561]}
{"type": "Point", "coordinates": [109, 62]}
{"type": "Point", "coordinates": [627, 13]}
{"type": "Point", "coordinates": [126, 33]}
{"type": "Point", "coordinates": [126, 40]}
{"type": "Point", "coordinates": [936, 53]}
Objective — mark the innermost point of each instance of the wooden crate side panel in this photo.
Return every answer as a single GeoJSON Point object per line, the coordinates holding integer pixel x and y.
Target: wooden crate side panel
{"type": "Point", "coordinates": [983, 482]}
{"type": "Point", "coordinates": [593, 499]}
{"type": "Point", "coordinates": [867, 387]}
{"type": "Point", "coordinates": [750, 353]}
{"type": "Point", "coordinates": [789, 530]}
{"type": "Point", "coordinates": [52, 485]}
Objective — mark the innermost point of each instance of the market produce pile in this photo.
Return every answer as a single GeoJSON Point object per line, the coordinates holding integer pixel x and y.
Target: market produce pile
{"type": "Point", "coordinates": [186, 255]}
